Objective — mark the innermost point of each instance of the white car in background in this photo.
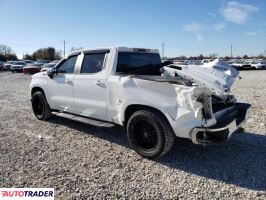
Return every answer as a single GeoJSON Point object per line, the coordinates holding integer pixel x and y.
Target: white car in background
{"type": "Point", "coordinates": [8, 65]}
{"type": "Point", "coordinates": [18, 66]}
{"type": "Point", "coordinates": [257, 65]}
{"type": "Point", "coordinates": [206, 61]}
{"type": "Point", "coordinates": [48, 66]}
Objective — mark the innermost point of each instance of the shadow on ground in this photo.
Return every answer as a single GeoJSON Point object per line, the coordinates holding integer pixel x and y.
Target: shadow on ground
{"type": "Point", "coordinates": [241, 161]}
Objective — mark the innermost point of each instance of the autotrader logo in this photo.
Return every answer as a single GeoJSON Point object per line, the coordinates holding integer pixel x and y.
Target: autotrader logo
{"type": "Point", "coordinates": [27, 193]}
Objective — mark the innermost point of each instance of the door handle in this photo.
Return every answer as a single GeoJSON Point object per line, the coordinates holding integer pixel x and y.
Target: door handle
{"type": "Point", "coordinates": [69, 82]}
{"type": "Point", "coordinates": [98, 82]}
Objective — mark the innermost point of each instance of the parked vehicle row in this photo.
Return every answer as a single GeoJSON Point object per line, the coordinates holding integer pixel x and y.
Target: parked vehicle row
{"type": "Point", "coordinates": [247, 64]}
{"type": "Point", "coordinates": [27, 66]}
{"type": "Point", "coordinates": [240, 64]}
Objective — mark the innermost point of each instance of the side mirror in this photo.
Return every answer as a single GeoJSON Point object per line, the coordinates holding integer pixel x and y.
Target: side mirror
{"type": "Point", "coordinates": [51, 72]}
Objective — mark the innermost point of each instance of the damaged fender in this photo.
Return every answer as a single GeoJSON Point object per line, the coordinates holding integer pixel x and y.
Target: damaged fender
{"type": "Point", "coordinates": [179, 103]}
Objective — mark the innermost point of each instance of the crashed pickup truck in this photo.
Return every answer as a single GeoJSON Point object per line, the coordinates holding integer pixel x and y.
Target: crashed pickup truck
{"type": "Point", "coordinates": [155, 102]}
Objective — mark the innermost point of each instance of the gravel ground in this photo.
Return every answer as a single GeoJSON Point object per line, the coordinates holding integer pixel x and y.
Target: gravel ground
{"type": "Point", "coordinates": [82, 161]}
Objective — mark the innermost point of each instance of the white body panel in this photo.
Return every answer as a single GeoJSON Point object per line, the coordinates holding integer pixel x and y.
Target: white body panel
{"type": "Point", "coordinates": [60, 91]}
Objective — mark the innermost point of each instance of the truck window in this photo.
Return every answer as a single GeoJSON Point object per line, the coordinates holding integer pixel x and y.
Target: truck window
{"type": "Point", "coordinates": [128, 61]}
{"type": "Point", "coordinates": [68, 66]}
{"type": "Point", "coordinates": [92, 63]}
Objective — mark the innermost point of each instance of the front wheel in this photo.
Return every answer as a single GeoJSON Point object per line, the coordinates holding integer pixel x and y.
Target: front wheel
{"type": "Point", "coordinates": [149, 133]}
{"type": "Point", "coordinates": [40, 107]}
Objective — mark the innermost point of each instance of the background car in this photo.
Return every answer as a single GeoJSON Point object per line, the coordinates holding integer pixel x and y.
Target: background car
{"type": "Point", "coordinates": [32, 68]}
{"type": "Point", "coordinates": [257, 65]}
{"type": "Point", "coordinates": [28, 61]}
{"type": "Point", "coordinates": [1, 65]}
{"type": "Point", "coordinates": [42, 61]}
{"type": "Point", "coordinates": [246, 65]}
{"type": "Point", "coordinates": [18, 66]}
{"type": "Point", "coordinates": [48, 66]}
{"type": "Point", "coordinates": [8, 65]}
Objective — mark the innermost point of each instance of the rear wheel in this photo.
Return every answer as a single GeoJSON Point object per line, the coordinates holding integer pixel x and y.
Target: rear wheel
{"type": "Point", "coordinates": [149, 133]}
{"type": "Point", "coordinates": [40, 107]}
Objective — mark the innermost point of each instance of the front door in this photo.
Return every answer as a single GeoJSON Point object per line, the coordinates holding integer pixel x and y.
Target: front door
{"type": "Point", "coordinates": [60, 88]}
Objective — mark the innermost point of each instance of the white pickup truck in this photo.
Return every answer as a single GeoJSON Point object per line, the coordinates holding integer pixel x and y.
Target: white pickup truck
{"type": "Point", "coordinates": [155, 102]}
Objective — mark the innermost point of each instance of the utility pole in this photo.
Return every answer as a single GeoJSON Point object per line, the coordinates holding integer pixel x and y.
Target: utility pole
{"type": "Point", "coordinates": [163, 50]}
{"type": "Point", "coordinates": [231, 51]}
{"type": "Point", "coordinates": [5, 49]}
{"type": "Point", "coordinates": [64, 48]}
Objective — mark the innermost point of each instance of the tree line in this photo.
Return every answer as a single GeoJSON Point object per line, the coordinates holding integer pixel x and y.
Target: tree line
{"type": "Point", "coordinates": [49, 53]}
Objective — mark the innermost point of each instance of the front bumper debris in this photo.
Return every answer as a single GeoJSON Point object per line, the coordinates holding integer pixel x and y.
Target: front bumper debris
{"type": "Point", "coordinates": [228, 122]}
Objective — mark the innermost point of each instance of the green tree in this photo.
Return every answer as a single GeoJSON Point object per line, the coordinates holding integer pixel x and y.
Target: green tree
{"type": "Point", "coordinates": [46, 54]}
{"type": "Point", "coordinates": [200, 57]}
{"type": "Point", "coordinates": [27, 57]}
{"type": "Point", "coordinates": [245, 57]}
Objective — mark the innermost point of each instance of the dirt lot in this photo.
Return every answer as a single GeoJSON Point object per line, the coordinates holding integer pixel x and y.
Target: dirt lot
{"type": "Point", "coordinates": [82, 161]}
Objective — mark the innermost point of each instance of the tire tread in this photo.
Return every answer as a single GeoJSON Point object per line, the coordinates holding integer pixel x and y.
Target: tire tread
{"type": "Point", "coordinates": [169, 136]}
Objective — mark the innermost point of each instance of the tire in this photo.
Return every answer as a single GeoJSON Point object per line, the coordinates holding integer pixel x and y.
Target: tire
{"type": "Point", "coordinates": [40, 107]}
{"type": "Point", "coordinates": [149, 133]}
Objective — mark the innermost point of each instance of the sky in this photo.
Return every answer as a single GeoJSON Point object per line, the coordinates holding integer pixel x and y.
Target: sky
{"type": "Point", "coordinates": [186, 27]}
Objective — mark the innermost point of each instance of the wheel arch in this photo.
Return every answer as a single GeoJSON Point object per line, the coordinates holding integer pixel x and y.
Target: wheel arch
{"type": "Point", "coordinates": [130, 109]}
{"type": "Point", "coordinates": [37, 89]}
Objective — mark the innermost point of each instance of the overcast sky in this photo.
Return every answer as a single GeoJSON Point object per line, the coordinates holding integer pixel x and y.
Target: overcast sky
{"type": "Point", "coordinates": [186, 27]}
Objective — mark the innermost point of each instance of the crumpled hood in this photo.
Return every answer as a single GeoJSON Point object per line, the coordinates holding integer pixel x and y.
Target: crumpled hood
{"type": "Point", "coordinates": [217, 75]}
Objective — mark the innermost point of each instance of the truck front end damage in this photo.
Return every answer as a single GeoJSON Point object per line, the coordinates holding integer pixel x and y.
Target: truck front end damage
{"type": "Point", "coordinates": [216, 113]}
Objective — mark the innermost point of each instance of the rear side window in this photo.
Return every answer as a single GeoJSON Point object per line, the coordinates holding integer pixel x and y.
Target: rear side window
{"type": "Point", "coordinates": [133, 60]}
{"type": "Point", "coordinates": [68, 66]}
{"type": "Point", "coordinates": [92, 63]}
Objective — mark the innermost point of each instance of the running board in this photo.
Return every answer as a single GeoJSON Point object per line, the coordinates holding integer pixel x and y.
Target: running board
{"type": "Point", "coordinates": [83, 119]}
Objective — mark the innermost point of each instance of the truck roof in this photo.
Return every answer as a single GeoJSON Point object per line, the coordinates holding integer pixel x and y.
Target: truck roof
{"type": "Point", "coordinates": [119, 49]}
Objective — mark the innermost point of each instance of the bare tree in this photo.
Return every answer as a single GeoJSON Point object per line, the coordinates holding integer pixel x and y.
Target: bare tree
{"type": "Point", "coordinates": [6, 53]}
{"type": "Point", "coordinates": [5, 50]}
{"type": "Point", "coordinates": [213, 55]}
{"type": "Point", "coordinates": [75, 48]}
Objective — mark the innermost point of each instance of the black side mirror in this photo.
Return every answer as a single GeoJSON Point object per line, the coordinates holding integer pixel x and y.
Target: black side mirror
{"type": "Point", "coordinates": [51, 72]}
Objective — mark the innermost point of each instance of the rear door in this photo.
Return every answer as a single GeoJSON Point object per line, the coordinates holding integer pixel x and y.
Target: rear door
{"type": "Point", "coordinates": [90, 91]}
{"type": "Point", "coordinates": [60, 88]}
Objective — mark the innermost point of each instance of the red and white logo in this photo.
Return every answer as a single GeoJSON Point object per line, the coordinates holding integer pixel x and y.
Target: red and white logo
{"type": "Point", "coordinates": [27, 193]}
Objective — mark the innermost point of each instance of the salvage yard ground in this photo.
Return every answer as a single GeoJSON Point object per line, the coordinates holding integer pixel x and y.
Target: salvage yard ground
{"type": "Point", "coordinates": [82, 161]}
